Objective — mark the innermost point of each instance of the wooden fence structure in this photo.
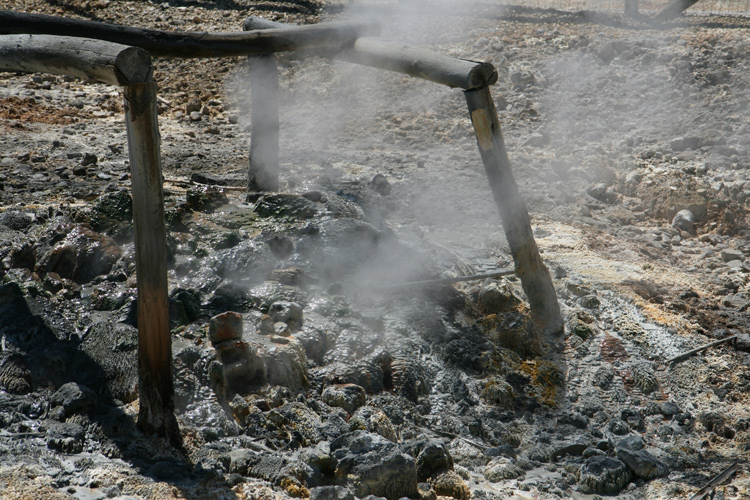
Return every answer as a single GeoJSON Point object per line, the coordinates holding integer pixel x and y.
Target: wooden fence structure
{"type": "Point", "coordinates": [38, 43]}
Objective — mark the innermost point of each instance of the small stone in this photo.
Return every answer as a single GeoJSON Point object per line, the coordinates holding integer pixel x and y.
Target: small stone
{"type": "Point", "coordinates": [380, 185]}
{"type": "Point", "coordinates": [225, 326]}
{"type": "Point", "coordinates": [287, 312]}
{"type": "Point", "coordinates": [632, 443]}
{"type": "Point", "coordinates": [89, 159]}
{"type": "Point", "coordinates": [684, 220]}
{"type": "Point", "coordinates": [669, 408]}
{"type": "Point", "coordinates": [347, 396]}
{"type": "Point", "coordinates": [73, 398]}
{"type": "Point", "coordinates": [193, 106]}
{"type": "Point", "coordinates": [195, 116]}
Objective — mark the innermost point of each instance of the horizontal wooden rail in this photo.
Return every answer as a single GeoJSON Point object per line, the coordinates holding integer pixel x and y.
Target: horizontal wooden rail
{"type": "Point", "coordinates": [95, 60]}
{"type": "Point", "coordinates": [192, 44]}
{"type": "Point", "coordinates": [413, 61]}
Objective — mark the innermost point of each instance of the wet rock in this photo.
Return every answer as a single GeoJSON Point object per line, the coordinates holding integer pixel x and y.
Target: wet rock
{"type": "Point", "coordinates": [111, 213]}
{"type": "Point", "coordinates": [243, 364]}
{"type": "Point", "coordinates": [286, 205]}
{"type": "Point", "coordinates": [286, 365]}
{"type": "Point", "coordinates": [502, 469]}
{"type": "Point", "coordinates": [497, 297]}
{"type": "Point", "coordinates": [287, 312]}
{"type": "Point", "coordinates": [15, 376]}
{"type": "Point", "coordinates": [81, 256]}
{"type": "Point", "coordinates": [374, 466]}
{"type": "Point", "coordinates": [281, 247]}
{"type": "Point", "coordinates": [225, 326]}
{"type": "Point", "coordinates": [65, 437]}
{"type": "Point", "coordinates": [450, 484]}
{"type": "Point", "coordinates": [684, 220]}
{"type": "Point", "coordinates": [374, 420]}
{"type": "Point", "coordinates": [642, 463]}
{"type": "Point", "coordinates": [249, 261]}
{"type": "Point", "coordinates": [582, 325]}
{"type": "Point", "coordinates": [347, 396]}
{"type": "Point", "coordinates": [184, 306]}
{"type": "Point", "coordinates": [603, 475]}
{"type": "Point", "coordinates": [73, 398]}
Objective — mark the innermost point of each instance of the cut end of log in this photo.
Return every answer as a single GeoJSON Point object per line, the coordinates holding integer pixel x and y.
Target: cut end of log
{"type": "Point", "coordinates": [133, 65]}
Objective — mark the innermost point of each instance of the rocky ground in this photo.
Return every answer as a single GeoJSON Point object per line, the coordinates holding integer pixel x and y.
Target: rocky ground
{"type": "Point", "coordinates": [301, 368]}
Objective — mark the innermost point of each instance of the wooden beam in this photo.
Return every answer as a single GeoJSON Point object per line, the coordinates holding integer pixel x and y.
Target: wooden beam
{"type": "Point", "coordinates": [674, 9]}
{"type": "Point", "coordinates": [263, 168]}
{"type": "Point", "coordinates": [413, 61]}
{"type": "Point", "coordinates": [155, 386]}
{"type": "Point", "coordinates": [534, 275]}
{"type": "Point", "coordinates": [95, 60]}
{"type": "Point", "coordinates": [189, 44]}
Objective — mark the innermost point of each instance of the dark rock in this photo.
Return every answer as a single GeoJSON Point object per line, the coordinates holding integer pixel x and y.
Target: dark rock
{"type": "Point", "coordinates": [497, 297]}
{"type": "Point", "coordinates": [281, 246]}
{"type": "Point", "coordinates": [110, 366]}
{"type": "Point", "coordinates": [346, 396]}
{"type": "Point", "coordinates": [380, 185]}
{"type": "Point", "coordinates": [516, 331]}
{"type": "Point", "coordinates": [642, 463]}
{"type": "Point", "coordinates": [374, 466]}
{"type": "Point", "coordinates": [89, 159]}
{"type": "Point", "coordinates": [110, 211]}
{"type": "Point", "coordinates": [16, 220]}
{"type": "Point", "coordinates": [205, 198]}
{"type": "Point", "coordinates": [81, 256]}
{"type": "Point", "coordinates": [632, 442]}
{"type": "Point", "coordinates": [433, 459]}
{"type": "Point", "coordinates": [275, 468]}
{"type": "Point", "coordinates": [504, 450]}
{"type": "Point", "coordinates": [717, 423]}
{"type": "Point", "coordinates": [184, 306]}
{"type": "Point", "coordinates": [603, 475]}
{"type": "Point", "coordinates": [247, 262]}
{"type": "Point", "coordinates": [286, 205]}
{"type": "Point", "coordinates": [73, 398]}
{"type": "Point", "coordinates": [669, 408]}
{"type": "Point", "coordinates": [65, 437]}
{"type": "Point", "coordinates": [684, 220]}
{"type": "Point", "coordinates": [15, 376]}
{"type": "Point", "coordinates": [243, 364]}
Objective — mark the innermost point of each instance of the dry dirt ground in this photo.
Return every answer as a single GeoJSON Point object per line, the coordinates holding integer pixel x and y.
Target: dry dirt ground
{"type": "Point", "coordinates": [613, 127]}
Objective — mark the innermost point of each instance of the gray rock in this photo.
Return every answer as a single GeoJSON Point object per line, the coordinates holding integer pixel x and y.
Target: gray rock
{"type": "Point", "coordinates": [73, 398]}
{"type": "Point", "coordinates": [286, 365]}
{"type": "Point", "coordinates": [684, 220]}
{"type": "Point", "coordinates": [374, 420]}
{"type": "Point", "coordinates": [669, 408]}
{"type": "Point", "coordinates": [374, 466]}
{"type": "Point", "coordinates": [16, 220]}
{"type": "Point", "coordinates": [729, 255]}
{"type": "Point", "coordinates": [347, 396]}
{"type": "Point", "coordinates": [502, 469]}
{"type": "Point", "coordinates": [603, 475]}
{"type": "Point", "coordinates": [642, 463]}
{"type": "Point", "coordinates": [632, 443]}
{"type": "Point", "coordinates": [331, 493]}
{"type": "Point", "coordinates": [497, 297]}
{"type": "Point", "coordinates": [287, 312]}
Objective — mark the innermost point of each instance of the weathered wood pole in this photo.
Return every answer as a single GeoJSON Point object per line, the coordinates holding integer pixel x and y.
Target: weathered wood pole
{"type": "Point", "coordinates": [191, 44]}
{"type": "Point", "coordinates": [155, 387]}
{"type": "Point", "coordinates": [534, 276]}
{"type": "Point", "coordinates": [674, 9]}
{"type": "Point", "coordinates": [263, 169]}
{"type": "Point", "coordinates": [631, 8]}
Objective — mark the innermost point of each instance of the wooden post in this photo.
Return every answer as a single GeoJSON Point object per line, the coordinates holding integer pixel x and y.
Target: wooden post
{"type": "Point", "coordinates": [155, 387]}
{"type": "Point", "coordinates": [631, 8]}
{"type": "Point", "coordinates": [674, 9]}
{"type": "Point", "coordinates": [535, 278]}
{"type": "Point", "coordinates": [130, 67]}
{"type": "Point", "coordinates": [263, 169]}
